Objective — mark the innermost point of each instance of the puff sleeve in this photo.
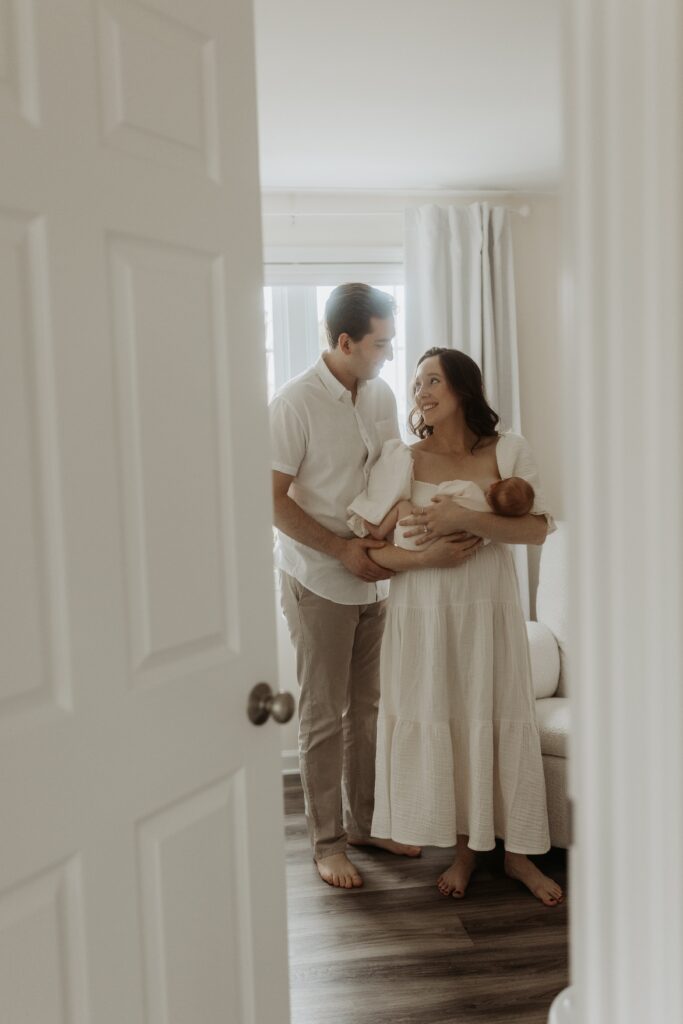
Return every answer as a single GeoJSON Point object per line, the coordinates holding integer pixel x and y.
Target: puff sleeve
{"type": "Point", "coordinates": [515, 458]}
{"type": "Point", "coordinates": [390, 481]}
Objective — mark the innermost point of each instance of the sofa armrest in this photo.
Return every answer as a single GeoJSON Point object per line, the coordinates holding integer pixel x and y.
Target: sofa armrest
{"type": "Point", "coordinates": [544, 654]}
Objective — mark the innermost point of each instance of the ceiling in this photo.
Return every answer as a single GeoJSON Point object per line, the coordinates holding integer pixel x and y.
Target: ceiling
{"type": "Point", "coordinates": [409, 94]}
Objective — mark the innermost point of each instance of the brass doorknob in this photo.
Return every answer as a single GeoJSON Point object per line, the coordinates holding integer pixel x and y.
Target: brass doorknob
{"type": "Point", "coordinates": [263, 703]}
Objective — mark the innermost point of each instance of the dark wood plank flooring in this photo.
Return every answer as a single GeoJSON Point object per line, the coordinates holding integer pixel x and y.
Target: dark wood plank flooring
{"type": "Point", "coordinates": [397, 952]}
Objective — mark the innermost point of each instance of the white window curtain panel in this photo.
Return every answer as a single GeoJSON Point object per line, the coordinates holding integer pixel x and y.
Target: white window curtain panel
{"type": "Point", "coordinates": [460, 293]}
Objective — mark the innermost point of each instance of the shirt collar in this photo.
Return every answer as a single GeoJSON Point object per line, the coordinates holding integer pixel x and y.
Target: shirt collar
{"type": "Point", "coordinates": [334, 386]}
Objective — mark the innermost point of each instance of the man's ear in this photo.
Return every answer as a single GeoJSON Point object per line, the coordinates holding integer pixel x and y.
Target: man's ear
{"type": "Point", "coordinates": [344, 343]}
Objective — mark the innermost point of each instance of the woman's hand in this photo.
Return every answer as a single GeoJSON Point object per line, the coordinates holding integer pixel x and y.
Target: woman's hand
{"type": "Point", "coordinates": [441, 518]}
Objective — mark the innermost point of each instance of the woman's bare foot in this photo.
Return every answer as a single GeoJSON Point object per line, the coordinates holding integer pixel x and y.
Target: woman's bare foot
{"type": "Point", "coordinates": [454, 881]}
{"type": "Point", "coordinates": [338, 871]}
{"type": "Point", "coordinates": [518, 866]}
{"type": "Point", "coordinates": [400, 849]}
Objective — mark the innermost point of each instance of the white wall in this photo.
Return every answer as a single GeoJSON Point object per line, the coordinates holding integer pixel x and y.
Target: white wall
{"type": "Point", "coordinates": [364, 225]}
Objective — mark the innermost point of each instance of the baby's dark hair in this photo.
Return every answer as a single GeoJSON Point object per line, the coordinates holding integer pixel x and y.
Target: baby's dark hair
{"type": "Point", "coordinates": [513, 496]}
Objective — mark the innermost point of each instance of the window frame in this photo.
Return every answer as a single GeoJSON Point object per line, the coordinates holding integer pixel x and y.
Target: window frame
{"type": "Point", "coordinates": [305, 265]}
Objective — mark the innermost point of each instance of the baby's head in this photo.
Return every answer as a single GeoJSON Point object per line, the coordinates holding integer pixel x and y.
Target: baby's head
{"type": "Point", "coordinates": [510, 497]}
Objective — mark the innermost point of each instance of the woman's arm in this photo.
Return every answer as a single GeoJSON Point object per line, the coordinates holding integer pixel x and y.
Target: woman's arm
{"type": "Point", "coordinates": [443, 515]}
{"type": "Point", "coordinates": [526, 529]}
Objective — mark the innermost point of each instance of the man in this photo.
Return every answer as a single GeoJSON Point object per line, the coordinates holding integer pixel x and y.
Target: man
{"type": "Point", "coordinates": [328, 426]}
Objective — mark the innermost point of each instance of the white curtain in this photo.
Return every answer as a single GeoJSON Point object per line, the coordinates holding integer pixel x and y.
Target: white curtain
{"type": "Point", "coordinates": [460, 293]}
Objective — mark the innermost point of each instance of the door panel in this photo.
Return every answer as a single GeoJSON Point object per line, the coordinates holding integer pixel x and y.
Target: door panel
{"type": "Point", "coordinates": [142, 870]}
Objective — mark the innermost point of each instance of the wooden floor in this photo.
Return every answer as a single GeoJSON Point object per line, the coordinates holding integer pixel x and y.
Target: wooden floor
{"type": "Point", "coordinates": [397, 952]}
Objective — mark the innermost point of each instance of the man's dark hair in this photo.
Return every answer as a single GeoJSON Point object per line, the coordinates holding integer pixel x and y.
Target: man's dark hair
{"type": "Point", "coordinates": [349, 309]}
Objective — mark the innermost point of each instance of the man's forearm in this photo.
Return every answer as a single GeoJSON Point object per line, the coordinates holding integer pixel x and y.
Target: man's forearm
{"type": "Point", "coordinates": [291, 519]}
{"type": "Point", "coordinates": [526, 529]}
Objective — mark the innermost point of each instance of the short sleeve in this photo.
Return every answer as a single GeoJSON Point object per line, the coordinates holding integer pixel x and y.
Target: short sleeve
{"type": "Point", "coordinates": [288, 440]}
{"type": "Point", "coordinates": [390, 481]}
{"type": "Point", "coordinates": [517, 459]}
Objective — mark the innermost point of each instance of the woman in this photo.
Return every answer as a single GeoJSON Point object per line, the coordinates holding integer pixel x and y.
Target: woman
{"type": "Point", "coordinates": [458, 751]}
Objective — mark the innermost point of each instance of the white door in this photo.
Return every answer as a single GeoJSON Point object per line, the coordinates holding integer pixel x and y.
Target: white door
{"type": "Point", "coordinates": [141, 850]}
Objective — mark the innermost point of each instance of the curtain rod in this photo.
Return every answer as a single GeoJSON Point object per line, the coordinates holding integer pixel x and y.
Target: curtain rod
{"type": "Point", "coordinates": [523, 211]}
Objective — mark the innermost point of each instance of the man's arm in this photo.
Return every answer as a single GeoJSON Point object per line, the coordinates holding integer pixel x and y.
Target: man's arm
{"type": "Point", "coordinates": [291, 519]}
{"type": "Point", "coordinates": [443, 515]}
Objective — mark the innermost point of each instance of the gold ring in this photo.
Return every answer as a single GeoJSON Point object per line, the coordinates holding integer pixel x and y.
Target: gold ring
{"type": "Point", "coordinates": [425, 528]}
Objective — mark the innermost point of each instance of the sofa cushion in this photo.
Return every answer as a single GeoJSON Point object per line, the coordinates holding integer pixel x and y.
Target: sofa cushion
{"type": "Point", "coordinates": [545, 659]}
{"type": "Point", "coordinates": [552, 595]}
{"type": "Point", "coordinates": [552, 714]}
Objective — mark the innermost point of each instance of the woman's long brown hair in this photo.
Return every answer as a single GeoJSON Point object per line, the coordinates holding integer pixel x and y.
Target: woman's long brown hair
{"type": "Point", "coordinates": [465, 380]}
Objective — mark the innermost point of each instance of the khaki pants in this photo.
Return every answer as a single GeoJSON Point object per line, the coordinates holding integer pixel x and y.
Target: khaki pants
{"type": "Point", "coordinates": [337, 654]}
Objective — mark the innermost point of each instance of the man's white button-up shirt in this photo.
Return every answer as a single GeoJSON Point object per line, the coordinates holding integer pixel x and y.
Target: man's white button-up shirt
{"type": "Point", "coordinates": [329, 444]}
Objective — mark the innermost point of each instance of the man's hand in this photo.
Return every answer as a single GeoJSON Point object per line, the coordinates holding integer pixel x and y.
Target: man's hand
{"type": "Point", "coordinates": [353, 555]}
{"type": "Point", "coordinates": [439, 519]}
{"type": "Point", "coordinates": [291, 519]}
{"type": "Point", "coordinates": [448, 552]}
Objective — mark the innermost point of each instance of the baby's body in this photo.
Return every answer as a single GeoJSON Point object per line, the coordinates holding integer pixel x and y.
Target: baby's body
{"type": "Point", "coordinates": [388, 524]}
{"type": "Point", "coordinates": [513, 496]}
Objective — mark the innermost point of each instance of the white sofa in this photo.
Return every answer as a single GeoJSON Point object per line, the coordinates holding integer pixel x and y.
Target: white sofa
{"type": "Point", "coordinates": [547, 647]}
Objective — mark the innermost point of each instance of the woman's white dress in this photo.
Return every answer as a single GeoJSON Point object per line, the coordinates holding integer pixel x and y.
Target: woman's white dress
{"type": "Point", "coordinates": [458, 747]}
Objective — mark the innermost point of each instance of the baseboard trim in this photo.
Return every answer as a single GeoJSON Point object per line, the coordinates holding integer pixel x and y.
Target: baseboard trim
{"type": "Point", "coordinates": [290, 762]}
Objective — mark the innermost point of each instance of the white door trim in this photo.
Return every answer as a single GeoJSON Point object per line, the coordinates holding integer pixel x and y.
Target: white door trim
{"type": "Point", "coordinates": [624, 480]}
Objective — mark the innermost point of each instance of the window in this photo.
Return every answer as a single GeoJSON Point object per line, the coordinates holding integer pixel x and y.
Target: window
{"type": "Point", "coordinates": [295, 335]}
{"type": "Point", "coordinates": [270, 342]}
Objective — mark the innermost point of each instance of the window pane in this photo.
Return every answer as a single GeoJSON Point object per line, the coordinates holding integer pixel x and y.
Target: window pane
{"type": "Point", "coordinates": [323, 292]}
{"type": "Point", "coordinates": [394, 372]}
{"type": "Point", "coordinates": [270, 340]}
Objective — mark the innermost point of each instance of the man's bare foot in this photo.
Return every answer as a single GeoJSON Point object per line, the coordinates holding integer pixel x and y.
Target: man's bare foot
{"type": "Point", "coordinates": [518, 866]}
{"type": "Point", "coordinates": [338, 871]}
{"type": "Point", "coordinates": [400, 849]}
{"type": "Point", "coordinates": [454, 881]}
